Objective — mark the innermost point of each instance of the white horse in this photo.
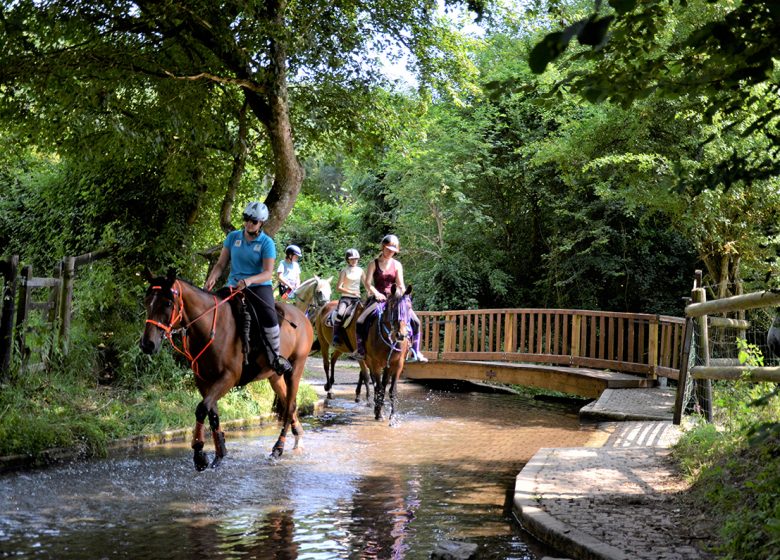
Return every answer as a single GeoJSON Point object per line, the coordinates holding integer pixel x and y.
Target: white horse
{"type": "Point", "coordinates": [311, 295]}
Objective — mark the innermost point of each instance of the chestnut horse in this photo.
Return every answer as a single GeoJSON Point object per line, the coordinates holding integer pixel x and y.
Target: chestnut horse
{"type": "Point", "coordinates": [386, 346]}
{"type": "Point", "coordinates": [325, 338]}
{"type": "Point", "coordinates": [212, 344]}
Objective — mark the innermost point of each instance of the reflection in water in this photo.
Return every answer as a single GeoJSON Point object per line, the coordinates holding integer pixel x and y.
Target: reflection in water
{"type": "Point", "coordinates": [382, 510]}
{"type": "Point", "coordinates": [359, 490]}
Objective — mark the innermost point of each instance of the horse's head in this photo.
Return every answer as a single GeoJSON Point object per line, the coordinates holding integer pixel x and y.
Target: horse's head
{"type": "Point", "coordinates": [398, 312]}
{"type": "Point", "coordinates": [322, 292]}
{"type": "Point", "coordinates": [163, 310]}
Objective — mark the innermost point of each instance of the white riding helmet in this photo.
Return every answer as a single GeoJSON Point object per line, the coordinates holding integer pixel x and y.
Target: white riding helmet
{"type": "Point", "coordinates": [293, 250]}
{"type": "Point", "coordinates": [256, 211]}
{"type": "Point", "coordinates": [391, 242]}
{"type": "Point", "coordinates": [352, 254]}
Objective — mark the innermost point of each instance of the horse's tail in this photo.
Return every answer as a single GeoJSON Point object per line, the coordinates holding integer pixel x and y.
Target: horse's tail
{"type": "Point", "coordinates": [315, 346]}
{"type": "Point", "coordinates": [278, 408]}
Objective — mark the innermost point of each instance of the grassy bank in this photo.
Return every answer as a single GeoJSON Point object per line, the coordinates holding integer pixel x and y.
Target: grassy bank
{"type": "Point", "coordinates": [734, 467]}
{"type": "Point", "coordinates": [73, 405]}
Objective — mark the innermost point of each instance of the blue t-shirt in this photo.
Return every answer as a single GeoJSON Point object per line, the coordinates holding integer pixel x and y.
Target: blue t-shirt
{"type": "Point", "coordinates": [246, 257]}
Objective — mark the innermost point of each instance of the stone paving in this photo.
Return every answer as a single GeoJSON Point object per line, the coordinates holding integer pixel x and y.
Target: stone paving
{"type": "Point", "coordinates": [632, 404]}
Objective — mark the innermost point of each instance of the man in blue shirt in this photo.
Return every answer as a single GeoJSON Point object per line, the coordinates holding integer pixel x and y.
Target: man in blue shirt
{"type": "Point", "coordinates": [252, 254]}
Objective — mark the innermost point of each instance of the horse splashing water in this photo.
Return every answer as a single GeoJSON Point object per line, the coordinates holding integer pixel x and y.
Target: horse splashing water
{"type": "Point", "coordinates": [387, 344]}
{"type": "Point", "coordinates": [211, 343]}
{"type": "Point", "coordinates": [324, 329]}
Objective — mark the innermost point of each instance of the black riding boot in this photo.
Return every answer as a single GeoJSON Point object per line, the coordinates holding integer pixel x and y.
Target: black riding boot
{"type": "Point", "coordinates": [278, 362]}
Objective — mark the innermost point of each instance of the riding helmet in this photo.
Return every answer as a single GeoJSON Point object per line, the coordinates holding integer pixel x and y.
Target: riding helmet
{"type": "Point", "coordinates": [391, 242]}
{"type": "Point", "coordinates": [352, 254]}
{"type": "Point", "coordinates": [256, 211]}
{"type": "Point", "coordinates": [293, 250]}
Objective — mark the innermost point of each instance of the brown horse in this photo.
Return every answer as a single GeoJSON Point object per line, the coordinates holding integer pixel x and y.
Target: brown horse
{"type": "Point", "coordinates": [386, 346]}
{"type": "Point", "coordinates": [325, 337]}
{"type": "Point", "coordinates": [211, 343]}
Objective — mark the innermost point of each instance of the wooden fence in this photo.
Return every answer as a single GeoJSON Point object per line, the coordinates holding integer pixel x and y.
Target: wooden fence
{"type": "Point", "coordinates": [698, 319]}
{"type": "Point", "coordinates": [51, 298]}
{"type": "Point", "coordinates": [637, 343]}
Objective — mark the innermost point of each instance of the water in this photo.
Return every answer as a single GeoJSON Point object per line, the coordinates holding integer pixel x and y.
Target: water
{"type": "Point", "coordinates": [359, 489]}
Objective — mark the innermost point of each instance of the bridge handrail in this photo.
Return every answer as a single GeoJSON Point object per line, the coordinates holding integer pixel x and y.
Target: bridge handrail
{"type": "Point", "coordinates": [640, 343]}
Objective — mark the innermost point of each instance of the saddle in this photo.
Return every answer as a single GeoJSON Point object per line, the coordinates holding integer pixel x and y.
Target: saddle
{"type": "Point", "coordinates": [247, 322]}
{"type": "Point", "coordinates": [349, 315]}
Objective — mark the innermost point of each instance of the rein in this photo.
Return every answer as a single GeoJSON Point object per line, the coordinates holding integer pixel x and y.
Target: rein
{"type": "Point", "coordinates": [176, 317]}
{"type": "Point", "coordinates": [386, 332]}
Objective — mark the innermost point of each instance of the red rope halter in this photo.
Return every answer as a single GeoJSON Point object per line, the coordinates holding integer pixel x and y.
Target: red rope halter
{"type": "Point", "coordinates": [176, 317]}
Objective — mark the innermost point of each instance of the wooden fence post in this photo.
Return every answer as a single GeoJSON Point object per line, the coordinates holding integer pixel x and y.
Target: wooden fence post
{"type": "Point", "coordinates": [576, 328]}
{"type": "Point", "coordinates": [703, 387]}
{"type": "Point", "coordinates": [449, 334]}
{"type": "Point", "coordinates": [22, 311]}
{"type": "Point", "coordinates": [652, 348]}
{"type": "Point", "coordinates": [510, 336]}
{"type": "Point", "coordinates": [66, 301]}
{"type": "Point", "coordinates": [7, 317]}
{"type": "Point", "coordinates": [682, 379]}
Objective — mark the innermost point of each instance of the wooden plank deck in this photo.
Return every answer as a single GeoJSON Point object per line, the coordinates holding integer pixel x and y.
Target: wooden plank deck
{"type": "Point", "coordinates": [584, 382]}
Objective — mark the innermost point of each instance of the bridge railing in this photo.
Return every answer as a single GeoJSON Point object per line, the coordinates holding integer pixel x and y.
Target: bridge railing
{"type": "Point", "coordinates": [644, 344]}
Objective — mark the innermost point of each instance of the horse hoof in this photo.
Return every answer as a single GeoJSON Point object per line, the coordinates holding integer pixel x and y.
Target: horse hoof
{"type": "Point", "coordinates": [330, 395]}
{"type": "Point", "coordinates": [277, 451]}
{"type": "Point", "coordinates": [357, 399]}
{"type": "Point", "coordinates": [216, 462]}
{"type": "Point", "coordinates": [201, 461]}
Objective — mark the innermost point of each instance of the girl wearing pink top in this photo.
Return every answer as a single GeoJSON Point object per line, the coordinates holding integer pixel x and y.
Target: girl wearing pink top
{"type": "Point", "coordinates": [381, 275]}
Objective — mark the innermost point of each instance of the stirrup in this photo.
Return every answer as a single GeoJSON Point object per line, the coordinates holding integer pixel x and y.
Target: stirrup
{"type": "Point", "coordinates": [281, 366]}
{"type": "Point", "coordinates": [415, 356]}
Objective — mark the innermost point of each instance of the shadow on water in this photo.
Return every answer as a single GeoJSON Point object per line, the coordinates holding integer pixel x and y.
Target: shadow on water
{"type": "Point", "coordinates": [358, 490]}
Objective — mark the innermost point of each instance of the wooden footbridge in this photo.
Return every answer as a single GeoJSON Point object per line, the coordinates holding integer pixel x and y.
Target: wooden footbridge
{"type": "Point", "coordinates": [573, 351]}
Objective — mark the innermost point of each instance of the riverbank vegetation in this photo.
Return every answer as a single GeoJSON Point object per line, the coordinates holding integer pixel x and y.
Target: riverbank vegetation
{"type": "Point", "coordinates": [521, 166]}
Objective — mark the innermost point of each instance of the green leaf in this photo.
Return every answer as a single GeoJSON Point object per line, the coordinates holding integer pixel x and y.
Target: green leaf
{"type": "Point", "coordinates": [594, 32]}
{"type": "Point", "coordinates": [547, 50]}
{"type": "Point", "coordinates": [622, 6]}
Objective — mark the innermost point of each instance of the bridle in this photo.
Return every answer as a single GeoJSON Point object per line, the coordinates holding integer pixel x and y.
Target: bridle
{"type": "Point", "coordinates": [178, 317]}
{"type": "Point", "coordinates": [392, 312]}
{"type": "Point", "coordinates": [317, 300]}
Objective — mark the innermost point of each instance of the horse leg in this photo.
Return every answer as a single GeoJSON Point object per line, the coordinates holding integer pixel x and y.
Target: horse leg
{"type": "Point", "coordinates": [379, 395]}
{"type": "Point", "coordinates": [297, 430]}
{"type": "Point", "coordinates": [326, 365]}
{"type": "Point", "coordinates": [393, 399]}
{"type": "Point", "coordinates": [218, 436]}
{"type": "Point", "coordinates": [286, 390]}
{"type": "Point", "coordinates": [199, 437]}
{"type": "Point", "coordinates": [364, 379]}
{"type": "Point", "coordinates": [208, 407]}
{"type": "Point", "coordinates": [333, 359]}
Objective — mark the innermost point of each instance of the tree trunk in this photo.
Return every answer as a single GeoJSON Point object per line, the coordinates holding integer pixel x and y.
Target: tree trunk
{"type": "Point", "coordinates": [240, 152]}
{"type": "Point", "coordinates": [273, 110]}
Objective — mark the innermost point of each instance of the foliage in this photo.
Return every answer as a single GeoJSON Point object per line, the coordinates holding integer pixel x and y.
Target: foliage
{"type": "Point", "coordinates": [735, 463]}
{"type": "Point", "coordinates": [719, 58]}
